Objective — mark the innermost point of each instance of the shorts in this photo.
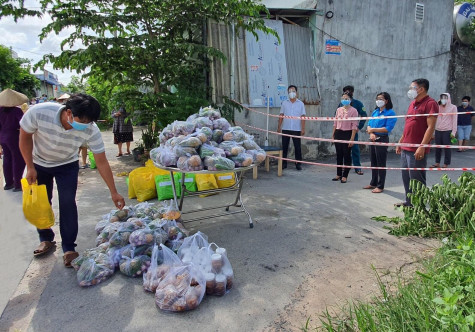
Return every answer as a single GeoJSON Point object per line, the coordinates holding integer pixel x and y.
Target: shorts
{"type": "Point", "coordinates": [463, 132]}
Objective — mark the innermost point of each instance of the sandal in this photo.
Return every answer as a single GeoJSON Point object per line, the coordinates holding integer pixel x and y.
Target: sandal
{"type": "Point", "coordinates": [68, 257]}
{"type": "Point", "coordinates": [435, 166]}
{"type": "Point", "coordinates": [343, 181]}
{"type": "Point", "coordinates": [127, 153]}
{"type": "Point", "coordinates": [336, 178]}
{"type": "Point", "coordinates": [369, 187]}
{"type": "Point", "coordinates": [377, 190]}
{"type": "Point", "coordinates": [44, 248]}
{"type": "Point", "coordinates": [119, 155]}
{"type": "Point", "coordinates": [360, 172]}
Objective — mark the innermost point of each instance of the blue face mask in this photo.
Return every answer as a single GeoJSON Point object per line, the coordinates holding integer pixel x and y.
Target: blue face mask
{"type": "Point", "coordinates": [78, 125]}
{"type": "Point", "coordinates": [345, 102]}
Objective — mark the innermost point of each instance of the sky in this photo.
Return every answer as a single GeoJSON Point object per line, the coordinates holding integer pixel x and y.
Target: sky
{"type": "Point", "coordinates": [23, 38]}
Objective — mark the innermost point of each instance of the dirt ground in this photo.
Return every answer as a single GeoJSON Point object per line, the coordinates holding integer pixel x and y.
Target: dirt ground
{"type": "Point", "coordinates": [313, 246]}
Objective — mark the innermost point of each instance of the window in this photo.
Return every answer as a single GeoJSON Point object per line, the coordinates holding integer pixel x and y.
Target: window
{"type": "Point", "coordinates": [419, 12]}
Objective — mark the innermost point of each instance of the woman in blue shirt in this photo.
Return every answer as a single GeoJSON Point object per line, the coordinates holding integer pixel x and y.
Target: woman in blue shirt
{"type": "Point", "coordinates": [378, 130]}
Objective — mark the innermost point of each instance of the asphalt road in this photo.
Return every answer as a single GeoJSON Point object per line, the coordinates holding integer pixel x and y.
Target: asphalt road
{"type": "Point", "coordinates": [302, 220]}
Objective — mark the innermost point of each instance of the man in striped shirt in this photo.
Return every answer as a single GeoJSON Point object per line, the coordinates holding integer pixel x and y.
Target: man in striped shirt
{"type": "Point", "coordinates": [50, 137]}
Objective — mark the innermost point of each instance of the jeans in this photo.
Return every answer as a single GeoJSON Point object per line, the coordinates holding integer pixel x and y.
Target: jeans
{"type": "Point", "coordinates": [343, 152]}
{"type": "Point", "coordinates": [443, 138]}
{"type": "Point", "coordinates": [66, 177]}
{"type": "Point", "coordinates": [295, 140]}
{"type": "Point", "coordinates": [463, 132]}
{"type": "Point", "coordinates": [355, 154]}
{"type": "Point", "coordinates": [408, 160]}
{"type": "Point", "coordinates": [379, 155]}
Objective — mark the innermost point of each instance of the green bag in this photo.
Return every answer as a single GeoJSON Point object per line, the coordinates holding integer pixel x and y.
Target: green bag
{"type": "Point", "coordinates": [190, 182]}
{"type": "Point", "coordinates": [92, 161]}
{"type": "Point", "coordinates": [164, 186]}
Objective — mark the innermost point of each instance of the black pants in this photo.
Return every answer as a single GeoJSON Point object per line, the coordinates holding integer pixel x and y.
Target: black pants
{"type": "Point", "coordinates": [295, 140]}
{"type": "Point", "coordinates": [343, 152]}
{"type": "Point", "coordinates": [443, 138]}
{"type": "Point", "coordinates": [66, 177]}
{"type": "Point", "coordinates": [379, 155]}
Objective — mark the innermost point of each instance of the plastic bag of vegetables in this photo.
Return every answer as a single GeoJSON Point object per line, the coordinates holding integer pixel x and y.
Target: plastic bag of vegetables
{"type": "Point", "coordinates": [121, 237]}
{"type": "Point", "coordinates": [192, 142]}
{"type": "Point", "coordinates": [121, 215]}
{"type": "Point", "coordinates": [210, 113]}
{"type": "Point", "coordinates": [166, 134]}
{"type": "Point", "coordinates": [86, 254]}
{"type": "Point", "coordinates": [258, 156]}
{"type": "Point", "coordinates": [231, 148]}
{"type": "Point", "coordinates": [242, 160]}
{"type": "Point", "coordinates": [250, 144]}
{"type": "Point", "coordinates": [166, 156]}
{"type": "Point", "coordinates": [181, 289]}
{"type": "Point", "coordinates": [95, 270]}
{"type": "Point", "coordinates": [203, 122]}
{"type": "Point", "coordinates": [163, 259]}
{"type": "Point", "coordinates": [133, 251]}
{"type": "Point", "coordinates": [217, 163]}
{"type": "Point", "coordinates": [235, 134]}
{"type": "Point", "coordinates": [146, 209]}
{"type": "Point", "coordinates": [184, 151]}
{"type": "Point", "coordinates": [217, 136]}
{"type": "Point", "coordinates": [107, 232]}
{"type": "Point", "coordinates": [207, 150]}
{"type": "Point", "coordinates": [192, 163]}
{"type": "Point", "coordinates": [182, 128]}
{"type": "Point", "coordinates": [221, 124]}
{"type": "Point", "coordinates": [103, 223]}
{"type": "Point", "coordinates": [134, 267]}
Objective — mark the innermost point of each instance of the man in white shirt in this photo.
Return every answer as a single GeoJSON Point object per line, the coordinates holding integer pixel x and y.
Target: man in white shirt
{"type": "Point", "coordinates": [50, 137]}
{"type": "Point", "coordinates": [292, 107]}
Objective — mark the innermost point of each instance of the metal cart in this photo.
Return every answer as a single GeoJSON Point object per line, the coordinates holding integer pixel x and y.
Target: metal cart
{"type": "Point", "coordinates": [239, 175]}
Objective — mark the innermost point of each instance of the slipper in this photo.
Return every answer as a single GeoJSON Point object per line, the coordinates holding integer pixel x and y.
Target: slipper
{"type": "Point", "coordinates": [119, 155]}
{"type": "Point", "coordinates": [336, 178]}
{"type": "Point", "coordinates": [127, 153]}
{"type": "Point", "coordinates": [369, 187]}
{"type": "Point", "coordinates": [343, 181]}
{"type": "Point", "coordinates": [435, 166]}
{"type": "Point", "coordinates": [445, 166]}
{"type": "Point", "coordinates": [359, 172]}
{"type": "Point", "coordinates": [44, 247]}
{"type": "Point", "coordinates": [82, 167]}
{"type": "Point", "coordinates": [377, 190]}
{"type": "Point", "coordinates": [68, 257]}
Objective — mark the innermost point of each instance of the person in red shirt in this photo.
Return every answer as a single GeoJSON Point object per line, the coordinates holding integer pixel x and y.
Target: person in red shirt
{"type": "Point", "coordinates": [417, 130]}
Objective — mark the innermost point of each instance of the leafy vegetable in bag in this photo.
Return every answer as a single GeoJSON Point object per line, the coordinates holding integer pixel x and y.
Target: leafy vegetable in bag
{"type": "Point", "coordinates": [134, 267]}
{"type": "Point", "coordinates": [231, 148]}
{"type": "Point", "coordinates": [242, 160]}
{"type": "Point", "coordinates": [95, 270]}
{"type": "Point", "coordinates": [216, 163]}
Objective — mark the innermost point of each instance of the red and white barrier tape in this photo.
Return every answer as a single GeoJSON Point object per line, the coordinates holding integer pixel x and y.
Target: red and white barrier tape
{"type": "Point", "coordinates": [331, 118]}
{"type": "Point", "coordinates": [364, 142]}
{"type": "Point", "coordinates": [386, 168]}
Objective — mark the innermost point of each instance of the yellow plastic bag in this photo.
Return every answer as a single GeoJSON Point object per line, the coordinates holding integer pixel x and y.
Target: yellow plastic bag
{"type": "Point", "coordinates": [206, 182]}
{"type": "Point", "coordinates": [225, 180]}
{"type": "Point", "coordinates": [144, 186]}
{"type": "Point", "coordinates": [132, 175]}
{"type": "Point", "coordinates": [156, 171]}
{"type": "Point", "coordinates": [36, 207]}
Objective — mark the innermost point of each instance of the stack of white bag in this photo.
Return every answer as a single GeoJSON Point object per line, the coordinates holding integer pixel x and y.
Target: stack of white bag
{"type": "Point", "coordinates": [182, 280]}
{"type": "Point", "coordinates": [188, 144]}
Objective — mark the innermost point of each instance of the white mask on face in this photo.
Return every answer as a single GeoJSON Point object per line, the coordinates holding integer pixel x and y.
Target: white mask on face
{"type": "Point", "coordinates": [380, 103]}
{"type": "Point", "coordinates": [443, 101]}
{"type": "Point", "coordinates": [292, 95]}
{"type": "Point", "coordinates": [412, 94]}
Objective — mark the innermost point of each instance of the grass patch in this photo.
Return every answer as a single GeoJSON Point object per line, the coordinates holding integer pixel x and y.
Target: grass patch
{"type": "Point", "coordinates": [441, 296]}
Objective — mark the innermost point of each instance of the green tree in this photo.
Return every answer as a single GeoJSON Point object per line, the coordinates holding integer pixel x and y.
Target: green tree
{"type": "Point", "coordinates": [469, 29]}
{"type": "Point", "coordinates": [15, 74]}
{"type": "Point", "coordinates": [76, 85]}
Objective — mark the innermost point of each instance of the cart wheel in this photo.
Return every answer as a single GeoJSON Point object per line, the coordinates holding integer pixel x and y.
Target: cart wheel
{"type": "Point", "coordinates": [251, 225]}
{"type": "Point", "coordinates": [227, 208]}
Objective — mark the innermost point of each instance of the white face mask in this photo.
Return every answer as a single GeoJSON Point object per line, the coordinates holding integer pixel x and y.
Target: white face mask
{"type": "Point", "coordinates": [443, 101]}
{"type": "Point", "coordinates": [292, 95]}
{"type": "Point", "coordinates": [412, 94]}
{"type": "Point", "coordinates": [380, 103]}
{"type": "Point", "coordinates": [464, 104]}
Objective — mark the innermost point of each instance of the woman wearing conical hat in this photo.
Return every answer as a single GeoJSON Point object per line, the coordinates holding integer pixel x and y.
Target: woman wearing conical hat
{"type": "Point", "coordinates": [10, 116]}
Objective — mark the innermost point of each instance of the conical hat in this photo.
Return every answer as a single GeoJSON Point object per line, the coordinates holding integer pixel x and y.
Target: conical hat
{"type": "Point", "coordinates": [64, 96]}
{"type": "Point", "coordinates": [10, 98]}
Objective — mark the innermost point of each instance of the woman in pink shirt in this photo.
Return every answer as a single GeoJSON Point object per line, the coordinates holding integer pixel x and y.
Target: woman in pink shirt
{"type": "Point", "coordinates": [445, 128]}
{"type": "Point", "coordinates": [344, 130]}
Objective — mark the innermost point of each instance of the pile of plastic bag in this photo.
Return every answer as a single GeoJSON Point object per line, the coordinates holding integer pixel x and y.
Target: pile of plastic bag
{"type": "Point", "coordinates": [147, 240]}
{"type": "Point", "coordinates": [206, 141]}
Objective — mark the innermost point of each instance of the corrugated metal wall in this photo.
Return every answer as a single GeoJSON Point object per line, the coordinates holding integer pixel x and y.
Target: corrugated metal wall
{"type": "Point", "coordinates": [219, 36]}
{"type": "Point", "coordinates": [300, 72]}
{"type": "Point", "coordinates": [298, 50]}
